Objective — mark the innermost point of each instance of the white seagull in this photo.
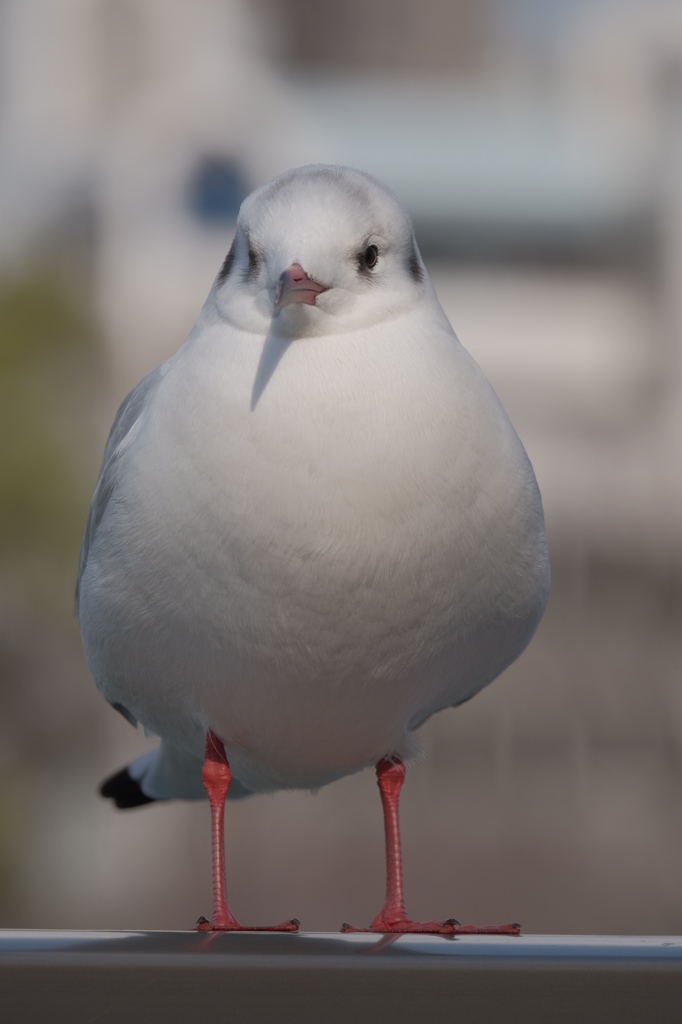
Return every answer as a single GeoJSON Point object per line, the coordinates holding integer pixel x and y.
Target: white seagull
{"type": "Point", "coordinates": [314, 525]}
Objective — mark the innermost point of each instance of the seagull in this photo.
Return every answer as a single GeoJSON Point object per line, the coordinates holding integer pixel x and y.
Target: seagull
{"type": "Point", "coordinates": [314, 525]}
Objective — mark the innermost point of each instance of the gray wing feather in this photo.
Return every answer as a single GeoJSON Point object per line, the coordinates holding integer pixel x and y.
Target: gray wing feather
{"type": "Point", "coordinates": [130, 410]}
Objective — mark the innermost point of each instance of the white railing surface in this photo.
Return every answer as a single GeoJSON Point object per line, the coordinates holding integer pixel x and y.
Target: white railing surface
{"type": "Point", "coordinates": [72, 977]}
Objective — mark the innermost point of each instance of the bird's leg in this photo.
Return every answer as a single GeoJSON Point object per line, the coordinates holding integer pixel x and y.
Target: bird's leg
{"type": "Point", "coordinates": [216, 776]}
{"type": "Point", "coordinates": [392, 917]}
{"type": "Point", "coordinates": [390, 777]}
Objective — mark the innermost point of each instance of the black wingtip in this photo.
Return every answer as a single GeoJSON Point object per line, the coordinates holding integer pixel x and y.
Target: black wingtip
{"type": "Point", "coordinates": [124, 791]}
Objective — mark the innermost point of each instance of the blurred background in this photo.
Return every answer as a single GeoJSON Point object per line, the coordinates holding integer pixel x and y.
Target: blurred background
{"type": "Point", "coordinates": [538, 147]}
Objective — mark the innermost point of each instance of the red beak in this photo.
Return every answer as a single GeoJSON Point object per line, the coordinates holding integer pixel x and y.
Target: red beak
{"type": "Point", "coordinates": [294, 285]}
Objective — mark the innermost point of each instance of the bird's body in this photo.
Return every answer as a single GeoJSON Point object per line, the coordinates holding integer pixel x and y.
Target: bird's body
{"type": "Point", "coordinates": [315, 525]}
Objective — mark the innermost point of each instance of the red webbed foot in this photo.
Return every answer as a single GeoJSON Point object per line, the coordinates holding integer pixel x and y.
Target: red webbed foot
{"type": "Point", "coordinates": [488, 929]}
{"type": "Point", "coordinates": [392, 919]}
{"type": "Point", "coordinates": [405, 927]}
{"type": "Point", "coordinates": [230, 924]}
{"type": "Point", "coordinates": [449, 927]}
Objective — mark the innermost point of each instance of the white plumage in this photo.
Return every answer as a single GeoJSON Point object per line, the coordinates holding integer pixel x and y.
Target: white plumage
{"type": "Point", "coordinates": [315, 525]}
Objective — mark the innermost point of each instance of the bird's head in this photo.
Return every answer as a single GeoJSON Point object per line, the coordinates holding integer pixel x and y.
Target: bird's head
{"type": "Point", "coordinates": [319, 250]}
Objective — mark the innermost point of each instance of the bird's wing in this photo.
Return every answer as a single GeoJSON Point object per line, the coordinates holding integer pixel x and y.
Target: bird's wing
{"type": "Point", "coordinates": [129, 413]}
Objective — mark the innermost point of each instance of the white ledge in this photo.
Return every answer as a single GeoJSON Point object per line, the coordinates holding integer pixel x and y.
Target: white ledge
{"type": "Point", "coordinates": [335, 944]}
{"type": "Point", "coordinates": [136, 977]}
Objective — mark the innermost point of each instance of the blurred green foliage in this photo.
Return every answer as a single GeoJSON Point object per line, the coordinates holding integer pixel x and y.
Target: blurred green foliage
{"type": "Point", "coordinates": [43, 337]}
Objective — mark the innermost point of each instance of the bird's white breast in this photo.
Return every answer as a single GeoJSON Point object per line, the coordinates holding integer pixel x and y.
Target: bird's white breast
{"type": "Point", "coordinates": [313, 565]}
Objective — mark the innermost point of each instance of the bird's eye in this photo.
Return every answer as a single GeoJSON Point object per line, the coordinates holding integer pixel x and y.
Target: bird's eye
{"type": "Point", "coordinates": [370, 257]}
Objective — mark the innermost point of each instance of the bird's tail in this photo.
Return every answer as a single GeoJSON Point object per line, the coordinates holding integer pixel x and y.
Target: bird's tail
{"type": "Point", "coordinates": [166, 773]}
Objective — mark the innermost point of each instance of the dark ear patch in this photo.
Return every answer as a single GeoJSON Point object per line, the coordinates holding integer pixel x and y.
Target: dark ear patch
{"type": "Point", "coordinates": [255, 260]}
{"type": "Point", "coordinates": [227, 264]}
{"type": "Point", "coordinates": [413, 264]}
